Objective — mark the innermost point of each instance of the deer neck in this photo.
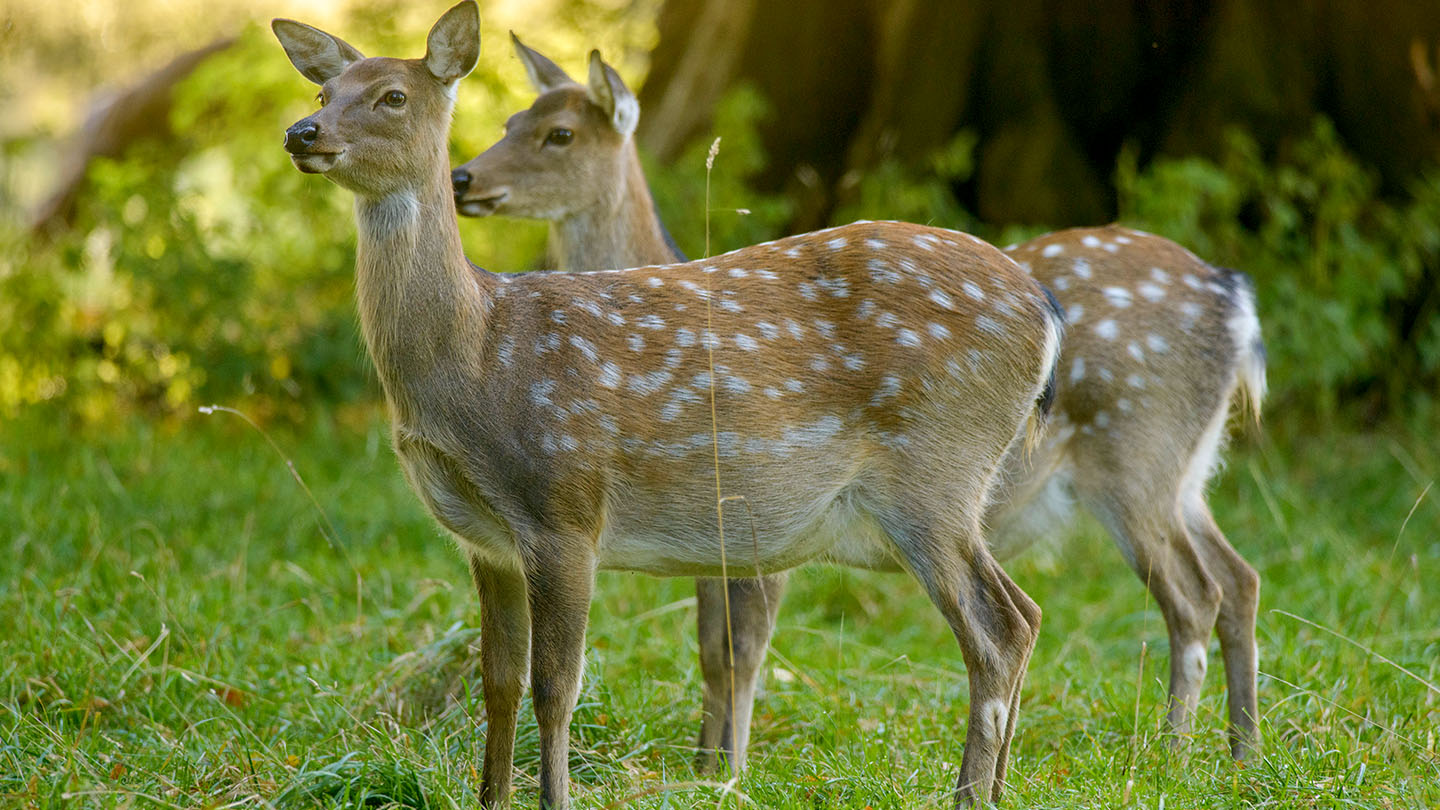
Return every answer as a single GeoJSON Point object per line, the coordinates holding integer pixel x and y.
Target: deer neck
{"type": "Point", "coordinates": [623, 230]}
{"type": "Point", "coordinates": [422, 304]}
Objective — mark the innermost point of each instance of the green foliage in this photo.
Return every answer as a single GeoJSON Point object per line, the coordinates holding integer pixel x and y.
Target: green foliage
{"type": "Point", "coordinates": [738, 215]}
{"type": "Point", "coordinates": [894, 190]}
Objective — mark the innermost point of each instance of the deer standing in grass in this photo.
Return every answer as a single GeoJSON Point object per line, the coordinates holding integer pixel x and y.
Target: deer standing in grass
{"type": "Point", "coordinates": [859, 387]}
{"type": "Point", "coordinates": [1161, 344]}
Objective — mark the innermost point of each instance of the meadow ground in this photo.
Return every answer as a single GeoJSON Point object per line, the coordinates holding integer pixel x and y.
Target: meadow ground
{"type": "Point", "coordinates": [177, 630]}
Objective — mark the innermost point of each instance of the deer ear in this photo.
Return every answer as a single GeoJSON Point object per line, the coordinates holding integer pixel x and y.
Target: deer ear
{"type": "Point", "coordinates": [318, 56]}
{"type": "Point", "coordinates": [610, 94]}
{"type": "Point", "coordinates": [453, 46]}
{"type": "Point", "coordinates": [544, 74]}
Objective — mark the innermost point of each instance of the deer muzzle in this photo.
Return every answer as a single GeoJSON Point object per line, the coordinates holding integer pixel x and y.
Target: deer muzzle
{"type": "Point", "coordinates": [300, 140]}
{"type": "Point", "coordinates": [476, 202]}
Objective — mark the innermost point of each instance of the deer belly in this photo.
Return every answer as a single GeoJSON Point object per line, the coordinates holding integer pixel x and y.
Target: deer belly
{"type": "Point", "coordinates": [761, 537]}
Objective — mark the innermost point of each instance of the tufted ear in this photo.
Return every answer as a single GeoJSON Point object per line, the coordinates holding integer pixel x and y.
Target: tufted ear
{"type": "Point", "coordinates": [544, 74]}
{"type": "Point", "coordinates": [318, 56]}
{"type": "Point", "coordinates": [610, 94]}
{"type": "Point", "coordinates": [453, 47]}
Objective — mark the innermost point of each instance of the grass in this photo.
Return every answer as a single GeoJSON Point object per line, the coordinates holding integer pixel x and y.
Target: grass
{"type": "Point", "coordinates": [176, 630]}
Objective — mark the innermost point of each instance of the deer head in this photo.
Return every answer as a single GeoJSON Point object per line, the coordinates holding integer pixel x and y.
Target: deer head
{"type": "Point", "coordinates": [367, 105]}
{"type": "Point", "coordinates": [570, 147]}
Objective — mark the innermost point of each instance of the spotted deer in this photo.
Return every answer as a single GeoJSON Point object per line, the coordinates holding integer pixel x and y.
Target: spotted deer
{"type": "Point", "coordinates": [571, 159]}
{"type": "Point", "coordinates": [1162, 344]}
{"type": "Point", "coordinates": [860, 387]}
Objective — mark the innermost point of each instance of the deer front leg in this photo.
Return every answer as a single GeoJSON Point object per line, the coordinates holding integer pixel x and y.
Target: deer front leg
{"type": "Point", "coordinates": [725, 722]}
{"type": "Point", "coordinates": [560, 586]}
{"type": "Point", "coordinates": [504, 659]}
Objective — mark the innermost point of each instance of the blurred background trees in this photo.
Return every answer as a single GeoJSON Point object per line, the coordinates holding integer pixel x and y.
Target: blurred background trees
{"type": "Point", "coordinates": [1296, 140]}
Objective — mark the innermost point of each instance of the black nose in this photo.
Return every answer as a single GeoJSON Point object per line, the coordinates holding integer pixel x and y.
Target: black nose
{"type": "Point", "coordinates": [460, 179]}
{"type": "Point", "coordinates": [299, 137]}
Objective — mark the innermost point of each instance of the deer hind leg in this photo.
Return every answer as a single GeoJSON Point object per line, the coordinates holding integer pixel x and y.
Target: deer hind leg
{"type": "Point", "coordinates": [559, 591]}
{"type": "Point", "coordinates": [504, 660]}
{"type": "Point", "coordinates": [1155, 541]}
{"type": "Point", "coordinates": [754, 603]}
{"type": "Point", "coordinates": [1031, 613]}
{"type": "Point", "coordinates": [1235, 626]}
{"type": "Point", "coordinates": [996, 625]}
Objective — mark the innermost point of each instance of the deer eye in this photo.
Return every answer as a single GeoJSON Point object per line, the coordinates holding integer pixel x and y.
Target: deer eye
{"type": "Point", "coordinates": [559, 137]}
{"type": "Point", "coordinates": [395, 98]}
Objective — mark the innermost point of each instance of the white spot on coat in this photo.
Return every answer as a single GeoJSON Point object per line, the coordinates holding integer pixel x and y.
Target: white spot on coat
{"type": "Point", "coordinates": [585, 347]}
{"type": "Point", "coordinates": [1119, 297]}
{"type": "Point", "coordinates": [1107, 329]}
{"type": "Point", "coordinates": [610, 375]}
{"type": "Point", "coordinates": [1151, 291]}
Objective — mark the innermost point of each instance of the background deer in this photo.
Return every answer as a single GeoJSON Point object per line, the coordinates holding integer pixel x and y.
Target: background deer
{"type": "Point", "coordinates": [1161, 343]}
{"type": "Point", "coordinates": [860, 387]}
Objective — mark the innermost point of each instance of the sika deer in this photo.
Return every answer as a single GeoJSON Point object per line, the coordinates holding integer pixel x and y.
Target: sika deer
{"type": "Point", "coordinates": [860, 387]}
{"type": "Point", "coordinates": [1165, 343]}
{"type": "Point", "coordinates": [571, 159]}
